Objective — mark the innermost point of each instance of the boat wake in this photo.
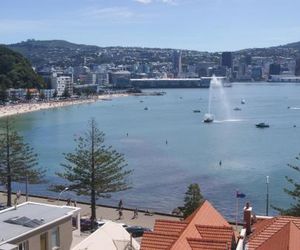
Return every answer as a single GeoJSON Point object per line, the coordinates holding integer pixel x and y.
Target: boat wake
{"type": "Point", "coordinates": [228, 120]}
{"type": "Point", "coordinates": [294, 108]}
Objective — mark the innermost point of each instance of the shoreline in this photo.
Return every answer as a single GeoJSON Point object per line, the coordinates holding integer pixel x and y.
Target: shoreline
{"type": "Point", "coordinates": [23, 108]}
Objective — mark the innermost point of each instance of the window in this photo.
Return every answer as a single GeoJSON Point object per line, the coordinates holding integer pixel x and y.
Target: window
{"type": "Point", "coordinates": [44, 241]}
{"type": "Point", "coordinates": [55, 241]}
{"type": "Point", "coordinates": [23, 245]}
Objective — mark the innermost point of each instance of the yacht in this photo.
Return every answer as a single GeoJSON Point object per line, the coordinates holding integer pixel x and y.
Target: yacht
{"type": "Point", "coordinates": [262, 125]}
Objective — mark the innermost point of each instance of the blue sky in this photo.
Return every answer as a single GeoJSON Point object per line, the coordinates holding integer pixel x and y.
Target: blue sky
{"type": "Point", "coordinates": [205, 25]}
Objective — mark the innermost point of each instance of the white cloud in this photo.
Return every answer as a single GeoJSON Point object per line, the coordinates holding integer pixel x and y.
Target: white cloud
{"type": "Point", "coordinates": [143, 1]}
{"type": "Point", "coordinates": [113, 12]}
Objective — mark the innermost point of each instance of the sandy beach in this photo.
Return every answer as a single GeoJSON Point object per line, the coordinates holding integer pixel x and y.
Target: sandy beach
{"type": "Point", "coordinates": [15, 109]}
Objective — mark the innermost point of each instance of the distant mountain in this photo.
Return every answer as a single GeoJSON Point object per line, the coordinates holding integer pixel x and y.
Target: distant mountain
{"type": "Point", "coordinates": [53, 51]}
{"type": "Point", "coordinates": [63, 53]}
{"type": "Point", "coordinates": [295, 45]}
{"type": "Point", "coordinates": [16, 71]}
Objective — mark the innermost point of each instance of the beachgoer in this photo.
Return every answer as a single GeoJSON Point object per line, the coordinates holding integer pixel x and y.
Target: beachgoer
{"type": "Point", "coordinates": [120, 205]}
{"type": "Point", "coordinates": [135, 214]}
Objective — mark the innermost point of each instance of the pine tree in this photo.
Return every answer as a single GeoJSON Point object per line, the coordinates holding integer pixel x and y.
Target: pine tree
{"type": "Point", "coordinates": [18, 162]}
{"type": "Point", "coordinates": [192, 200]}
{"type": "Point", "coordinates": [294, 193]}
{"type": "Point", "coordinates": [94, 169]}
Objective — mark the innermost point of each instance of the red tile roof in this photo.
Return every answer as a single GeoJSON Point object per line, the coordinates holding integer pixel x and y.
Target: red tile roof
{"type": "Point", "coordinates": [169, 227]}
{"type": "Point", "coordinates": [281, 232]}
{"type": "Point", "coordinates": [204, 229]}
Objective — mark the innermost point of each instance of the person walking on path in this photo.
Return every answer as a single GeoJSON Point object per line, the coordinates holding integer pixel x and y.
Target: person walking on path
{"type": "Point", "coordinates": [135, 214]}
{"type": "Point", "coordinates": [120, 205]}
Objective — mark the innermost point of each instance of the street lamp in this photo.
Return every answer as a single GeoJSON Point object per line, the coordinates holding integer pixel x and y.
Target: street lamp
{"type": "Point", "coordinates": [267, 198]}
{"type": "Point", "coordinates": [66, 189]}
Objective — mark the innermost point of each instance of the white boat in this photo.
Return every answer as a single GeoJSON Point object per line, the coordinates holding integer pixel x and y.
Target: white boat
{"type": "Point", "coordinates": [208, 118]}
{"type": "Point", "coordinates": [243, 101]}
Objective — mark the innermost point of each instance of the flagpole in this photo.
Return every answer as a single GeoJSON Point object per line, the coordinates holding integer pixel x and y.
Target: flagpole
{"type": "Point", "coordinates": [237, 209]}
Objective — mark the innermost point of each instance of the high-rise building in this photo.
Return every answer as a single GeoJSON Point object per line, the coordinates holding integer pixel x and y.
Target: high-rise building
{"type": "Point", "coordinates": [274, 69]}
{"type": "Point", "coordinates": [297, 68]}
{"type": "Point", "coordinates": [226, 59]}
{"type": "Point", "coordinates": [177, 66]}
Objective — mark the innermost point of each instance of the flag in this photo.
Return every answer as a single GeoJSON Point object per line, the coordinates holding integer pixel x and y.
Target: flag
{"type": "Point", "coordinates": [240, 195]}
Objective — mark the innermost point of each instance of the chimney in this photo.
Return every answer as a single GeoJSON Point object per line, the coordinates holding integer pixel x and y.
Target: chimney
{"type": "Point", "coordinates": [247, 217]}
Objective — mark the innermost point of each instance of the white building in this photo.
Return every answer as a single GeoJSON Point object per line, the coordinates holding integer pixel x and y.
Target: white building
{"type": "Point", "coordinates": [32, 226]}
{"type": "Point", "coordinates": [110, 236]}
{"type": "Point", "coordinates": [60, 83]}
{"type": "Point", "coordinates": [48, 93]}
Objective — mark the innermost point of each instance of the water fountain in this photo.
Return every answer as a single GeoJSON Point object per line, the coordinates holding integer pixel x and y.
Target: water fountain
{"type": "Point", "coordinates": [216, 87]}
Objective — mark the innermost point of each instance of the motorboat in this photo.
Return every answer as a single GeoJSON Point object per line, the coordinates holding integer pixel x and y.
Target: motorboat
{"type": "Point", "coordinates": [237, 109]}
{"type": "Point", "coordinates": [243, 101]}
{"type": "Point", "coordinates": [208, 118]}
{"type": "Point", "coordinates": [197, 111]}
{"type": "Point", "coordinates": [262, 125]}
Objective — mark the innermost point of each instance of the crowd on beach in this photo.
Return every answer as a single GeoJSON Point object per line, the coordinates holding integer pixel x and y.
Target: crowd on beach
{"type": "Point", "coordinates": [21, 108]}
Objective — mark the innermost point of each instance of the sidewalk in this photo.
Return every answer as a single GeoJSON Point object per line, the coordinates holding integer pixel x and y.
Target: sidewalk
{"type": "Point", "coordinates": [106, 213]}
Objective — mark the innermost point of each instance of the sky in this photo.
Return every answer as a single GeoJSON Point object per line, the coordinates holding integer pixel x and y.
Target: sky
{"type": "Point", "coordinates": [204, 25]}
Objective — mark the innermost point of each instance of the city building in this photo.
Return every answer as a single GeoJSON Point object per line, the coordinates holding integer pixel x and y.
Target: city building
{"type": "Point", "coordinates": [226, 59]}
{"type": "Point", "coordinates": [297, 67]}
{"type": "Point", "coordinates": [177, 64]}
{"type": "Point", "coordinates": [32, 226]}
{"type": "Point", "coordinates": [170, 83]}
{"type": "Point", "coordinates": [18, 94]}
{"type": "Point", "coordinates": [274, 69]}
{"type": "Point", "coordinates": [120, 79]}
{"type": "Point", "coordinates": [48, 93]}
{"type": "Point", "coordinates": [62, 83]}
{"type": "Point", "coordinates": [256, 73]}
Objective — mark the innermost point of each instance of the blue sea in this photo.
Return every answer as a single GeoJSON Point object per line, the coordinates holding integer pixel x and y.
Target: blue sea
{"type": "Point", "coordinates": [169, 147]}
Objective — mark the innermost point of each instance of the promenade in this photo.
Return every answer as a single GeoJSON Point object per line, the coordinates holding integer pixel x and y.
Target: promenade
{"type": "Point", "coordinates": [103, 212]}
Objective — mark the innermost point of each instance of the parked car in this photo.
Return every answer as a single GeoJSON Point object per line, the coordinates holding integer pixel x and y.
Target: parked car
{"type": "Point", "coordinates": [137, 231]}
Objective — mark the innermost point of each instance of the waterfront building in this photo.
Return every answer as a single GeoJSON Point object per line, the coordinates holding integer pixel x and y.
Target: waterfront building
{"type": "Point", "coordinates": [226, 59]}
{"type": "Point", "coordinates": [91, 78]}
{"type": "Point", "coordinates": [170, 83]}
{"type": "Point", "coordinates": [32, 226]}
{"type": "Point", "coordinates": [297, 67]}
{"type": "Point", "coordinates": [177, 64]}
{"type": "Point", "coordinates": [120, 79]}
{"type": "Point", "coordinates": [60, 83]}
{"type": "Point", "coordinates": [256, 73]}
{"type": "Point", "coordinates": [102, 78]}
{"type": "Point", "coordinates": [274, 69]}
{"type": "Point", "coordinates": [48, 93]}
{"type": "Point", "coordinates": [17, 94]}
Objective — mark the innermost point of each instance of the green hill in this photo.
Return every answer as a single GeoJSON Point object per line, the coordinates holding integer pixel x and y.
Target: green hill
{"type": "Point", "coordinates": [16, 71]}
